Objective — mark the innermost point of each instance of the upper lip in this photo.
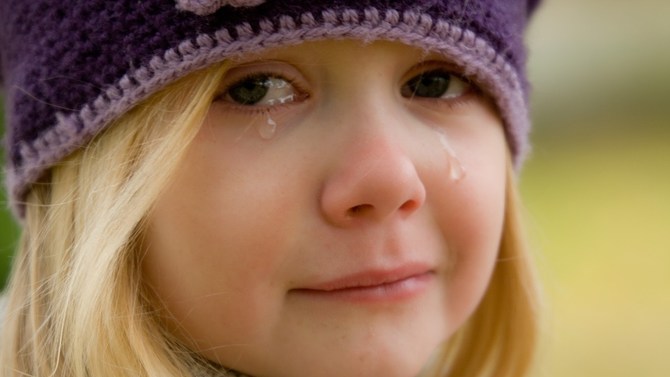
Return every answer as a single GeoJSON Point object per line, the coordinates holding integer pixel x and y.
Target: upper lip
{"type": "Point", "coordinates": [370, 278]}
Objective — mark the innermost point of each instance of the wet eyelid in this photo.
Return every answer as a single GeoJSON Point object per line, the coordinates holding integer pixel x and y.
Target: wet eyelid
{"type": "Point", "coordinates": [274, 69]}
{"type": "Point", "coordinates": [437, 65]}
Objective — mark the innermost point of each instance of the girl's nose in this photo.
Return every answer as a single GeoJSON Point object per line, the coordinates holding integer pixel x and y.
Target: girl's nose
{"type": "Point", "coordinates": [374, 180]}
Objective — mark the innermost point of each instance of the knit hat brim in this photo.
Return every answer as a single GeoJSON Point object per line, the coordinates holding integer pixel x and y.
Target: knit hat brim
{"type": "Point", "coordinates": [479, 60]}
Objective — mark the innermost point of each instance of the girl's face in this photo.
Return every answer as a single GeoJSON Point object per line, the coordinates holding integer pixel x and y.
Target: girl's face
{"type": "Point", "coordinates": [338, 214]}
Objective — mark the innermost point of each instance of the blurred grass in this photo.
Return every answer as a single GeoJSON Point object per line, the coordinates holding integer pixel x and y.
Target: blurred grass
{"type": "Point", "coordinates": [8, 227]}
{"type": "Point", "coordinates": [597, 186]}
{"type": "Point", "coordinates": [8, 236]}
{"type": "Point", "coordinates": [599, 209]}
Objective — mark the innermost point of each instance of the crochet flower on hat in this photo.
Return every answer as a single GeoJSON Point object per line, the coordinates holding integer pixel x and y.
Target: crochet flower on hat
{"type": "Point", "coordinates": [206, 7]}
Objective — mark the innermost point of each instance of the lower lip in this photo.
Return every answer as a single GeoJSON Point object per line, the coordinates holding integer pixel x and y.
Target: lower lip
{"type": "Point", "coordinates": [399, 290]}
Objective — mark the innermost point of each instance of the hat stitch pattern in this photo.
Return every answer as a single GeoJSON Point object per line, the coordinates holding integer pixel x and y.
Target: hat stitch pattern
{"type": "Point", "coordinates": [479, 59]}
{"type": "Point", "coordinates": [207, 7]}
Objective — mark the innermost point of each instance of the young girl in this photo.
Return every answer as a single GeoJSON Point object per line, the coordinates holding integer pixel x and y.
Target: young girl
{"type": "Point", "coordinates": [266, 188]}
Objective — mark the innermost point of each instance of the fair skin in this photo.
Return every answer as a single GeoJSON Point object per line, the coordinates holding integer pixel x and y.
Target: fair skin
{"type": "Point", "coordinates": [336, 244]}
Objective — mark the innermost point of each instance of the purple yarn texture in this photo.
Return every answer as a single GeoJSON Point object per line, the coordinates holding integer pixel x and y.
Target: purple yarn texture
{"type": "Point", "coordinates": [68, 69]}
{"type": "Point", "coordinates": [207, 7]}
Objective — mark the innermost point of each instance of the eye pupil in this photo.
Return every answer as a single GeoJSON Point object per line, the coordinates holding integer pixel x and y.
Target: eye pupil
{"type": "Point", "coordinates": [250, 92]}
{"type": "Point", "coordinates": [430, 84]}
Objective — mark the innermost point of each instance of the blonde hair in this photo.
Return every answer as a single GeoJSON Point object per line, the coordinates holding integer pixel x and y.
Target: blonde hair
{"type": "Point", "coordinates": [77, 306]}
{"type": "Point", "coordinates": [76, 303]}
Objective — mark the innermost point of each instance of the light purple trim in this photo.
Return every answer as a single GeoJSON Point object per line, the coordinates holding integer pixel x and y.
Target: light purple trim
{"type": "Point", "coordinates": [207, 7]}
{"type": "Point", "coordinates": [479, 60]}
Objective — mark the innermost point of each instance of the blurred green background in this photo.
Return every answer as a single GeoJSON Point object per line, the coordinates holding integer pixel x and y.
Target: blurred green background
{"type": "Point", "coordinates": [596, 187]}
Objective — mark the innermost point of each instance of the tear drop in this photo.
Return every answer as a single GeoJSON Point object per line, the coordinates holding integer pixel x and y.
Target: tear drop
{"type": "Point", "coordinates": [268, 129]}
{"type": "Point", "coordinates": [456, 169]}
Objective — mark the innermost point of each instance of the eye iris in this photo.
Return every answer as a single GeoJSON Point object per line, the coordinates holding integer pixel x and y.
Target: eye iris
{"type": "Point", "coordinates": [432, 85]}
{"type": "Point", "coordinates": [250, 91]}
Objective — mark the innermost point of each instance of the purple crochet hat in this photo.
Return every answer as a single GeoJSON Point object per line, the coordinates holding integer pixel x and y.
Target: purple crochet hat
{"type": "Point", "coordinates": [69, 68]}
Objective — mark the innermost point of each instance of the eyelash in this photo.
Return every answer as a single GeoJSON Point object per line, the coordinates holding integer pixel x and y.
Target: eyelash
{"type": "Point", "coordinates": [221, 94]}
{"type": "Point", "coordinates": [457, 102]}
{"type": "Point", "coordinates": [472, 91]}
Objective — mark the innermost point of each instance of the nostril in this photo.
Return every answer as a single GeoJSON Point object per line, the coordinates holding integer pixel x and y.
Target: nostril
{"type": "Point", "coordinates": [363, 210]}
{"type": "Point", "coordinates": [360, 210]}
{"type": "Point", "coordinates": [409, 206]}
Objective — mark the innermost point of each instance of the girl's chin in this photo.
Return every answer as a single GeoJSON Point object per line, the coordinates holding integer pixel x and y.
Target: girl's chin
{"type": "Point", "coordinates": [329, 369]}
{"type": "Point", "coordinates": [366, 361]}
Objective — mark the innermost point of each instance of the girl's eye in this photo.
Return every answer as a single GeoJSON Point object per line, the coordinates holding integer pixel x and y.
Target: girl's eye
{"type": "Point", "coordinates": [263, 90]}
{"type": "Point", "coordinates": [435, 84]}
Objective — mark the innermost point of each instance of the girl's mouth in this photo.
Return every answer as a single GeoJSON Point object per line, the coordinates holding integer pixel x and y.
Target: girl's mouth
{"type": "Point", "coordinates": [372, 285]}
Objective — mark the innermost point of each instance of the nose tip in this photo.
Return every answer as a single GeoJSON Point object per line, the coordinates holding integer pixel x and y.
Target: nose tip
{"type": "Point", "coordinates": [373, 185]}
